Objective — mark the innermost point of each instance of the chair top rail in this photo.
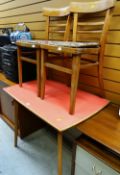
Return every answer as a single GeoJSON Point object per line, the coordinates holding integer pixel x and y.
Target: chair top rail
{"type": "Point", "coordinates": [64, 11]}
{"type": "Point", "coordinates": [91, 7]}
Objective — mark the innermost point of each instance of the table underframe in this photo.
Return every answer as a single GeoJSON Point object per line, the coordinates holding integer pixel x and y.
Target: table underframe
{"type": "Point", "coordinates": [59, 138]}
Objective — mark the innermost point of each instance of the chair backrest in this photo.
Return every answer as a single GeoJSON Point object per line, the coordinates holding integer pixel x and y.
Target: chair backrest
{"type": "Point", "coordinates": [91, 20]}
{"type": "Point", "coordinates": [58, 23]}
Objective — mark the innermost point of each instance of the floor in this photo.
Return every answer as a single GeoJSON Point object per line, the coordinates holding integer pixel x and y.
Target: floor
{"type": "Point", "coordinates": [36, 154]}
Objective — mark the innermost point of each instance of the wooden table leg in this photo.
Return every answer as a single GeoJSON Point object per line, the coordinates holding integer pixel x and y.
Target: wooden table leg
{"type": "Point", "coordinates": [74, 82]}
{"type": "Point", "coordinates": [19, 66]}
{"type": "Point", "coordinates": [16, 123]}
{"type": "Point", "coordinates": [60, 153]}
{"type": "Point", "coordinates": [38, 67]}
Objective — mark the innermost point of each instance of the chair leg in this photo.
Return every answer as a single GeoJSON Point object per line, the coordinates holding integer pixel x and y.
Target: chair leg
{"type": "Point", "coordinates": [74, 82]}
{"type": "Point", "coordinates": [100, 80]}
{"type": "Point", "coordinates": [38, 72]}
{"type": "Point", "coordinates": [43, 72]}
{"type": "Point", "coordinates": [19, 66]}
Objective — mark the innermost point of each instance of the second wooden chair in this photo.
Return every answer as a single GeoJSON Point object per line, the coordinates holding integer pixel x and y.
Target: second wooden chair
{"type": "Point", "coordinates": [85, 11]}
{"type": "Point", "coordinates": [57, 27]}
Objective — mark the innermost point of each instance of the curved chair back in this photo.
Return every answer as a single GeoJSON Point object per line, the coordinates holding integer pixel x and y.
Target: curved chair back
{"type": "Point", "coordinates": [57, 23]}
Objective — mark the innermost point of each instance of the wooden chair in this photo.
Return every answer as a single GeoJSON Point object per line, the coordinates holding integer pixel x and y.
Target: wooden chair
{"type": "Point", "coordinates": [90, 23]}
{"type": "Point", "coordinates": [90, 9]}
{"type": "Point", "coordinates": [57, 27]}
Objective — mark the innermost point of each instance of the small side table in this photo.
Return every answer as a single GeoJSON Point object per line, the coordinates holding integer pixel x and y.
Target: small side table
{"type": "Point", "coordinates": [91, 157]}
{"type": "Point", "coordinates": [102, 138]}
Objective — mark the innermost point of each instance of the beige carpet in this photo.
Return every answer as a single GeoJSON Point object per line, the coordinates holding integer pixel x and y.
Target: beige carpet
{"type": "Point", "coordinates": [36, 155]}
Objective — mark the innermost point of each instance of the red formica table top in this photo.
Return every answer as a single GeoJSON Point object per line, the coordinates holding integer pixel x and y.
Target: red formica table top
{"type": "Point", "coordinates": [54, 108]}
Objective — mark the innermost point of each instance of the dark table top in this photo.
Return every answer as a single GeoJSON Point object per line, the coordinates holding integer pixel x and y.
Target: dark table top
{"type": "Point", "coordinates": [104, 127]}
